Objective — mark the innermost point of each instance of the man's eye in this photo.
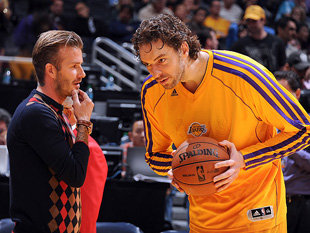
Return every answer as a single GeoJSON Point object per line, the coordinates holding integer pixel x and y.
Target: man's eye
{"type": "Point", "coordinates": [162, 60]}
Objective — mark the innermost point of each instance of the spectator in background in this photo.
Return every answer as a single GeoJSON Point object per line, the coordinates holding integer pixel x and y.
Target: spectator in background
{"type": "Point", "coordinates": [286, 7]}
{"type": "Point", "coordinates": [286, 31]}
{"type": "Point", "coordinates": [96, 175]}
{"type": "Point", "coordinates": [299, 14]}
{"type": "Point", "coordinates": [86, 26]}
{"type": "Point", "coordinates": [171, 4]}
{"type": "Point", "coordinates": [25, 36]}
{"type": "Point", "coordinates": [209, 40]}
{"type": "Point", "coordinates": [300, 64]}
{"type": "Point", "coordinates": [196, 23]}
{"type": "Point", "coordinates": [191, 5]}
{"type": "Point", "coordinates": [265, 48]}
{"type": "Point", "coordinates": [217, 23]}
{"type": "Point", "coordinates": [231, 11]}
{"type": "Point", "coordinates": [122, 28]}
{"type": "Point", "coordinates": [57, 12]}
{"type": "Point", "coordinates": [115, 9]}
{"type": "Point", "coordinates": [153, 8]}
{"type": "Point", "coordinates": [5, 119]}
{"type": "Point", "coordinates": [296, 171]}
{"type": "Point", "coordinates": [181, 12]}
{"type": "Point", "coordinates": [303, 37]}
{"type": "Point", "coordinates": [136, 137]}
{"type": "Point", "coordinates": [5, 26]}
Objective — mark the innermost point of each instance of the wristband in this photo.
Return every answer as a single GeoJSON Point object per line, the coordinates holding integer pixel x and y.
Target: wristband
{"type": "Point", "coordinates": [88, 125]}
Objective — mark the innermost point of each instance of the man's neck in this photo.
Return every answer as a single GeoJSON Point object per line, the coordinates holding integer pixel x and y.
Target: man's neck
{"type": "Point", "coordinates": [50, 93]}
{"type": "Point", "coordinates": [195, 71]}
{"type": "Point", "coordinates": [215, 16]}
{"type": "Point", "coordinates": [259, 36]}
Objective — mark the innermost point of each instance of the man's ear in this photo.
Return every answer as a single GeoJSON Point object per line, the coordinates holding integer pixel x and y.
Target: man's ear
{"type": "Point", "coordinates": [185, 49]}
{"type": "Point", "coordinates": [298, 92]}
{"type": "Point", "coordinates": [50, 71]}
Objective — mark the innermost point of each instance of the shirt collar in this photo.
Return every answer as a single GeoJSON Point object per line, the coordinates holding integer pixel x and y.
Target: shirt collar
{"type": "Point", "coordinates": [56, 106]}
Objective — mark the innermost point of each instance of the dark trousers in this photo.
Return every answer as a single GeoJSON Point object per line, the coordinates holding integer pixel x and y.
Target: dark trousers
{"type": "Point", "coordinates": [298, 213]}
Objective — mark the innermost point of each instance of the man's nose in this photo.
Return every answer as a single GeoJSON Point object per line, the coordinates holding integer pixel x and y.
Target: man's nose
{"type": "Point", "coordinates": [82, 73]}
{"type": "Point", "coordinates": [156, 72]}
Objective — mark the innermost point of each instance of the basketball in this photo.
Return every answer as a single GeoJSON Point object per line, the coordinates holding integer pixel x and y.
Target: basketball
{"type": "Point", "coordinates": [193, 165]}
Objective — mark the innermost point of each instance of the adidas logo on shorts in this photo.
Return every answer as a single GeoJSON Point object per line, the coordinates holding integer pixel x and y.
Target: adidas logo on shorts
{"type": "Point", "coordinates": [260, 213]}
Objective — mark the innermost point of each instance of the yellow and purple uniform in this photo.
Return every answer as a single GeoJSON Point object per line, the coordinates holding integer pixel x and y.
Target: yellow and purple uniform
{"type": "Point", "coordinates": [238, 100]}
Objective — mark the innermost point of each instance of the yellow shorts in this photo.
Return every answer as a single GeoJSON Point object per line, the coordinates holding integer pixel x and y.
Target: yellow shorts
{"type": "Point", "coordinates": [281, 228]}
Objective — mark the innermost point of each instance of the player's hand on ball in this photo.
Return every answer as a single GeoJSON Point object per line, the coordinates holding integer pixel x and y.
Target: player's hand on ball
{"type": "Point", "coordinates": [236, 162]}
{"type": "Point", "coordinates": [175, 184]}
{"type": "Point", "coordinates": [170, 176]}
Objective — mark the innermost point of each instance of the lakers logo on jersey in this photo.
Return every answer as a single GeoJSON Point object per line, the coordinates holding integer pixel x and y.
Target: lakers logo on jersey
{"type": "Point", "coordinates": [197, 129]}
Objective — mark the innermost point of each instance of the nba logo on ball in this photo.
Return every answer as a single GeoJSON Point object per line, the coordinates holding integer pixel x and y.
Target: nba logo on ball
{"type": "Point", "coordinates": [200, 173]}
{"type": "Point", "coordinates": [193, 163]}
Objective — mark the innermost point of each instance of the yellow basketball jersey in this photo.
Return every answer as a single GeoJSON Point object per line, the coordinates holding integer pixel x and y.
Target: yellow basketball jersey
{"type": "Point", "coordinates": [238, 100]}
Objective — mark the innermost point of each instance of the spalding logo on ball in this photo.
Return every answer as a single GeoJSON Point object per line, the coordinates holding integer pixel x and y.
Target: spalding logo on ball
{"type": "Point", "coordinates": [193, 165]}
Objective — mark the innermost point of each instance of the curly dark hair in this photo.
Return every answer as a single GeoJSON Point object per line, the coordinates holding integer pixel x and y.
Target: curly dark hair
{"type": "Point", "coordinates": [170, 30]}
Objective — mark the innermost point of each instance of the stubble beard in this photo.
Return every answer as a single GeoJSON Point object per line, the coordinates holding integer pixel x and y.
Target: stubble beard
{"type": "Point", "coordinates": [62, 87]}
{"type": "Point", "coordinates": [179, 76]}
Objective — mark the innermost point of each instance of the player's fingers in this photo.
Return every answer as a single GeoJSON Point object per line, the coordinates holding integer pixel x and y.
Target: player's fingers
{"type": "Point", "coordinates": [170, 174]}
{"type": "Point", "coordinates": [225, 143]}
{"type": "Point", "coordinates": [224, 175]}
{"type": "Point", "coordinates": [225, 186]}
{"type": "Point", "coordinates": [222, 182]}
{"type": "Point", "coordinates": [228, 145]}
{"type": "Point", "coordinates": [175, 184]}
{"type": "Point", "coordinates": [226, 163]}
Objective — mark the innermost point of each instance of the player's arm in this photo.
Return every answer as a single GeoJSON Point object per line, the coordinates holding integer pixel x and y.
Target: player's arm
{"type": "Point", "coordinates": [272, 105]}
{"type": "Point", "coordinates": [158, 143]}
{"type": "Point", "coordinates": [277, 107]}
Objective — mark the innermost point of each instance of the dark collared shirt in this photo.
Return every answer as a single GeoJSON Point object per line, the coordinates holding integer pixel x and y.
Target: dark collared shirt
{"type": "Point", "coordinates": [46, 168]}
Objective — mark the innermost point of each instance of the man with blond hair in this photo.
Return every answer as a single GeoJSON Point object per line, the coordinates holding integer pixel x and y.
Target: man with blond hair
{"type": "Point", "coordinates": [47, 166]}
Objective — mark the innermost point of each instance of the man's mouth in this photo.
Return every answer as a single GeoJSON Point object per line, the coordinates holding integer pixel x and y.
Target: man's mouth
{"type": "Point", "coordinates": [77, 84]}
{"type": "Point", "coordinates": [163, 80]}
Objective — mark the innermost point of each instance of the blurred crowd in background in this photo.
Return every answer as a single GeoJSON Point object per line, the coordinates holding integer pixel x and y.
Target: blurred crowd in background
{"type": "Point", "coordinates": [219, 24]}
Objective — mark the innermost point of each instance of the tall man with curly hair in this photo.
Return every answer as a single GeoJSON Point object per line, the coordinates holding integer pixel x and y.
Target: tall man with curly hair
{"type": "Point", "coordinates": [233, 99]}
